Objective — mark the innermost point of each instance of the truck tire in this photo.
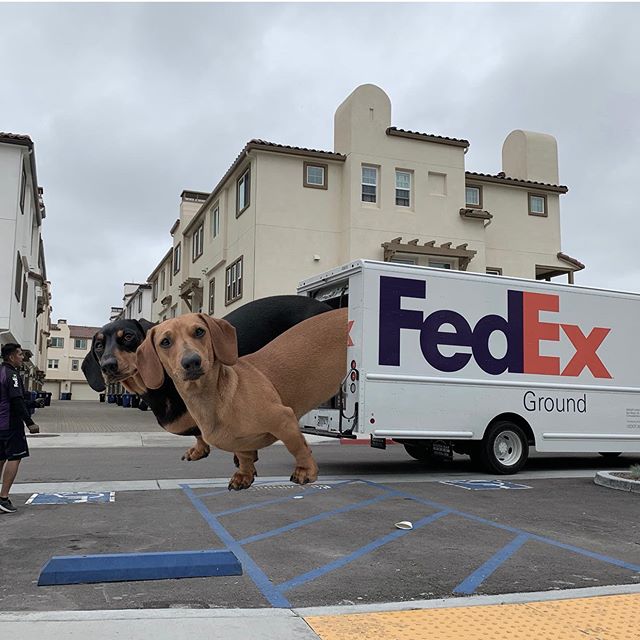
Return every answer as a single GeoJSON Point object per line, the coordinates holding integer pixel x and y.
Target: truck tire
{"type": "Point", "coordinates": [504, 448]}
{"type": "Point", "coordinates": [418, 451]}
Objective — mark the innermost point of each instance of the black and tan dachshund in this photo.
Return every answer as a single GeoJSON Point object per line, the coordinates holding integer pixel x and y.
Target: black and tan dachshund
{"type": "Point", "coordinates": [112, 357]}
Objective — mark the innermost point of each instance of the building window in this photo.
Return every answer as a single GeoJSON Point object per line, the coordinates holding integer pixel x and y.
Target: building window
{"type": "Point", "coordinates": [215, 221]}
{"type": "Point", "coordinates": [75, 365]}
{"type": "Point", "coordinates": [25, 289]}
{"type": "Point", "coordinates": [140, 302]}
{"type": "Point", "coordinates": [403, 188]}
{"type": "Point", "coordinates": [197, 243]}
{"type": "Point", "coordinates": [212, 296]}
{"type": "Point", "coordinates": [80, 343]}
{"type": "Point", "coordinates": [494, 271]}
{"type": "Point", "coordinates": [369, 184]}
{"type": "Point", "coordinates": [315, 175]}
{"type": "Point", "coordinates": [440, 264]}
{"type": "Point", "coordinates": [537, 205]}
{"type": "Point", "coordinates": [473, 196]}
{"type": "Point", "coordinates": [242, 192]}
{"type": "Point", "coordinates": [53, 364]}
{"type": "Point", "coordinates": [177, 254]}
{"type": "Point", "coordinates": [18, 283]}
{"type": "Point", "coordinates": [171, 269]}
{"type": "Point", "coordinates": [155, 289]}
{"type": "Point", "coordinates": [174, 310]}
{"type": "Point", "coordinates": [57, 343]}
{"type": "Point", "coordinates": [233, 275]}
{"type": "Point", "coordinates": [163, 279]}
{"type": "Point", "coordinates": [23, 188]}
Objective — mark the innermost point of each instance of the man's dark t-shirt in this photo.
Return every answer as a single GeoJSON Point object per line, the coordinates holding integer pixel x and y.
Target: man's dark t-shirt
{"type": "Point", "coordinates": [14, 407]}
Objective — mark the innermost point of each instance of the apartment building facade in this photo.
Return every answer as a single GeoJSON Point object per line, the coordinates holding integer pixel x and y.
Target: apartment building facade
{"type": "Point", "coordinates": [25, 293]}
{"type": "Point", "coordinates": [67, 348]}
{"type": "Point", "coordinates": [281, 213]}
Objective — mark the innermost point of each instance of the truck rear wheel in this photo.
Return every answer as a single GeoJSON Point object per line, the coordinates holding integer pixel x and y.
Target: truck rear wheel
{"type": "Point", "coordinates": [504, 448]}
{"type": "Point", "coordinates": [418, 451]}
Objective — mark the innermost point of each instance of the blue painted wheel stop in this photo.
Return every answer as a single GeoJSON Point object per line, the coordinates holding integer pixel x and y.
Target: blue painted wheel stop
{"type": "Point", "coordinates": [124, 567]}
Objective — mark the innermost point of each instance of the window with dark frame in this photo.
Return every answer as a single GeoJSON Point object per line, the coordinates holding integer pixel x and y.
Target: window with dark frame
{"type": "Point", "coordinates": [56, 343]}
{"type": "Point", "coordinates": [163, 279]}
{"type": "Point", "coordinates": [140, 302]}
{"type": "Point", "coordinates": [473, 196]}
{"type": "Point", "coordinates": [215, 221]}
{"type": "Point", "coordinates": [243, 191]}
{"type": "Point", "coordinates": [537, 204]}
{"type": "Point", "coordinates": [315, 175]}
{"type": "Point", "coordinates": [23, 188]}
{"type": "Point", "coordinates": [171, 269]}
{"type": "Point", "coordinates": [212, 296]}
{"type": "Point", "coordinates": [403, 188]}
{"type": "Point", "coordinates": [494, 271]}
{"type": "Point", "coordinates": [177, 254]}
{"type": "Point", "coordinates": [197, 243]}
{"type": "Point", "coordinates": [75, 365]}
{"type": "Point", "coordinates": [80, 343]}
{"type": "Point", "coordinates": [154, 288]}
{"type": "Point", "coordinates": [233, 280]}
{"type": "Point", "coordinates": [18, 282]}
{"type": "Point", "coordinates": [369, 184]}
{"type": "Point", "coordinates": [25, 289]}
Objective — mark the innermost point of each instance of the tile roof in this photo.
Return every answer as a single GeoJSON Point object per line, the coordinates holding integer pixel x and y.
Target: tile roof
{"type": "Point", "coordinates": [257, 143]}
{"type": "Point", "coordinates": [76, 331]}
{"type": "Point", "coordinates": [15, 136]}
{"type": "Point", "coordinates": [428, 137]}
{"type": "Point", "coordinates": [504, 179]}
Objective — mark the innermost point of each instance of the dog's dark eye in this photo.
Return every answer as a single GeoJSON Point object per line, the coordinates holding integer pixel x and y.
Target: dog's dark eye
{"type": "Point", "coordinates": [199, 332]}
{"type": "Point", "coordinates": [165, 342]}
{"type": "Point", "coordinates": [128, 337]}
{"type": "Point", "coordinates": [98, 346]}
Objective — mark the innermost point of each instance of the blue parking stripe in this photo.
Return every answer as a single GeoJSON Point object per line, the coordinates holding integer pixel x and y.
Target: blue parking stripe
{"type": "Point", "coordinates": [372, 546]}
{"type": "Point", "coordinates": [270, 592]}
{"type": "Point", "coordinates": [505, 527]}
{"type": "Point", "coordinates": [311, 519]}
{"type": "Point", "coordinates": [472, 582]}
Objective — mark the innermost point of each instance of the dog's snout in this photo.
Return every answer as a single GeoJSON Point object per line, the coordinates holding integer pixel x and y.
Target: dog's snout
{"type": "Point", "coordinates": [109, 366]}
{"type": "Point", "coordinates": [191, 362]}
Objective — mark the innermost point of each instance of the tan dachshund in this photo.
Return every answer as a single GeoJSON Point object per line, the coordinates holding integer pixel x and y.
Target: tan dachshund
{"type": "Point", "coordinates": [245, 404]}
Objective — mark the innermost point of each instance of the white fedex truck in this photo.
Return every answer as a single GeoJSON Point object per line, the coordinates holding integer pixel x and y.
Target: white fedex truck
{"type": "Point", "coordinates": [484, 365]}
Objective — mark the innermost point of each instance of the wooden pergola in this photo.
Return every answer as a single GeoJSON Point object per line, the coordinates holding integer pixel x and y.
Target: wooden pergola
{"type": "Point", "coordinates": [445, 250]}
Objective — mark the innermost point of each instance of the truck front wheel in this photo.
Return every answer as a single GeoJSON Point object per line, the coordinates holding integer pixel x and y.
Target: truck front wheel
{"type": "Point", "coordinates": [504, 448]}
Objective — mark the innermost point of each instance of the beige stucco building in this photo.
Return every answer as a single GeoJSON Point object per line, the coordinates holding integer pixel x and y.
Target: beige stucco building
{"type": "Point", "coordinates": [67, 348]}
{"type": "Point", "coordinates": [281, 214]}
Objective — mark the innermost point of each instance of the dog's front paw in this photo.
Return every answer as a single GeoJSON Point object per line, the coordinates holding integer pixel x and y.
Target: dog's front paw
{"type": "Point", "coordinates": [304, 475]}
{"type": "Point", "coordinates": [196, 453]}
{"type": "Point", "coordinates": [241, 480]}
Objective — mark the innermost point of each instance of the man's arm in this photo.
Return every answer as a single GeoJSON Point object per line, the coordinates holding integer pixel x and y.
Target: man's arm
{"type": "Point", "coordinates": [18, 406]}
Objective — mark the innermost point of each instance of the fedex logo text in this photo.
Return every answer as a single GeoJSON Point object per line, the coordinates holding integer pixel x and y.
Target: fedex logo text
{"type": "Point", "coordinates": [522, 328]}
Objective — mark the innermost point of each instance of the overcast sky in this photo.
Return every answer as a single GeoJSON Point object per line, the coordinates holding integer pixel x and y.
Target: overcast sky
{"type": "Point", "coordinates": [129, 104]}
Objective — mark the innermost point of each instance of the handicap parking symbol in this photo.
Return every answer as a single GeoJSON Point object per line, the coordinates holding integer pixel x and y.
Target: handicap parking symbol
{"type": "Point", "coordinates": [77, 497]}
{"type": "Point", "coordinates": [484, 485]}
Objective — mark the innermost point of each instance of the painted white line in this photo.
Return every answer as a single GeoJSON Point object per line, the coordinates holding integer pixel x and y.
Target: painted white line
{"type": "Point", "coordinates": [174, 483]}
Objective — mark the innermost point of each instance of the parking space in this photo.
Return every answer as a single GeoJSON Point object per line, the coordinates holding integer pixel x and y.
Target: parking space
{"type": "Point", "coordinates": [333, 543]}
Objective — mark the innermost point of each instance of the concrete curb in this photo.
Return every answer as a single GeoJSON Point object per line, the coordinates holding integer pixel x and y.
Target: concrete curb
{"type": "Point", "coordinates": [612, 481]}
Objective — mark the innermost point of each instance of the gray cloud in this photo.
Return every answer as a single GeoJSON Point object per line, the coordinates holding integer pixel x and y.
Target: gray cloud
{"type": "Point", "coordinates": [129, 104]}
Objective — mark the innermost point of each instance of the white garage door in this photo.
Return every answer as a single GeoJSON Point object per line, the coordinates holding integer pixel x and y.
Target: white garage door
{"type": "Point", "coordinates": [53, 388]}
{"type": "Point", "coordinates": [82, 391]}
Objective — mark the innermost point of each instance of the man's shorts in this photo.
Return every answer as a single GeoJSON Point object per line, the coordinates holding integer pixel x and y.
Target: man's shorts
{"type": "Point", "coordinates": [13, 445]}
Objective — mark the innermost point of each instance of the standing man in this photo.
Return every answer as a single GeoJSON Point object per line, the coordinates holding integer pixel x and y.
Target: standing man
{"type": "Point", "coordinates": [14, 415]}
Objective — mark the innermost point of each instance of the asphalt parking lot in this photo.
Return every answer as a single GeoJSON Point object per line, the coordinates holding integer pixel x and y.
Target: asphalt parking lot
{"type": "Point", "coordinates": [332, 543]}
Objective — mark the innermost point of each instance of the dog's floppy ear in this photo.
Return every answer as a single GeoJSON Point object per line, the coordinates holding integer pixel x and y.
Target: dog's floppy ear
{"type": "Point", "coordinates": [145, 325]}
{"type": "Point", "coordinates": [92, 372]}
{"type": "Point", "coordinates": [149, 366]}
{"type": "Point", "coordinates": [223, 339]}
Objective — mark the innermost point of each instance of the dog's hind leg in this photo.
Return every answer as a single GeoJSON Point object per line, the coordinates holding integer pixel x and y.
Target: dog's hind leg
{"type": "Point", "coordinates": [200, 450]}
{"type": "Point", "coordinates": [284, 426]}
{"type": "Point", "coordinates": [243, 477]}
